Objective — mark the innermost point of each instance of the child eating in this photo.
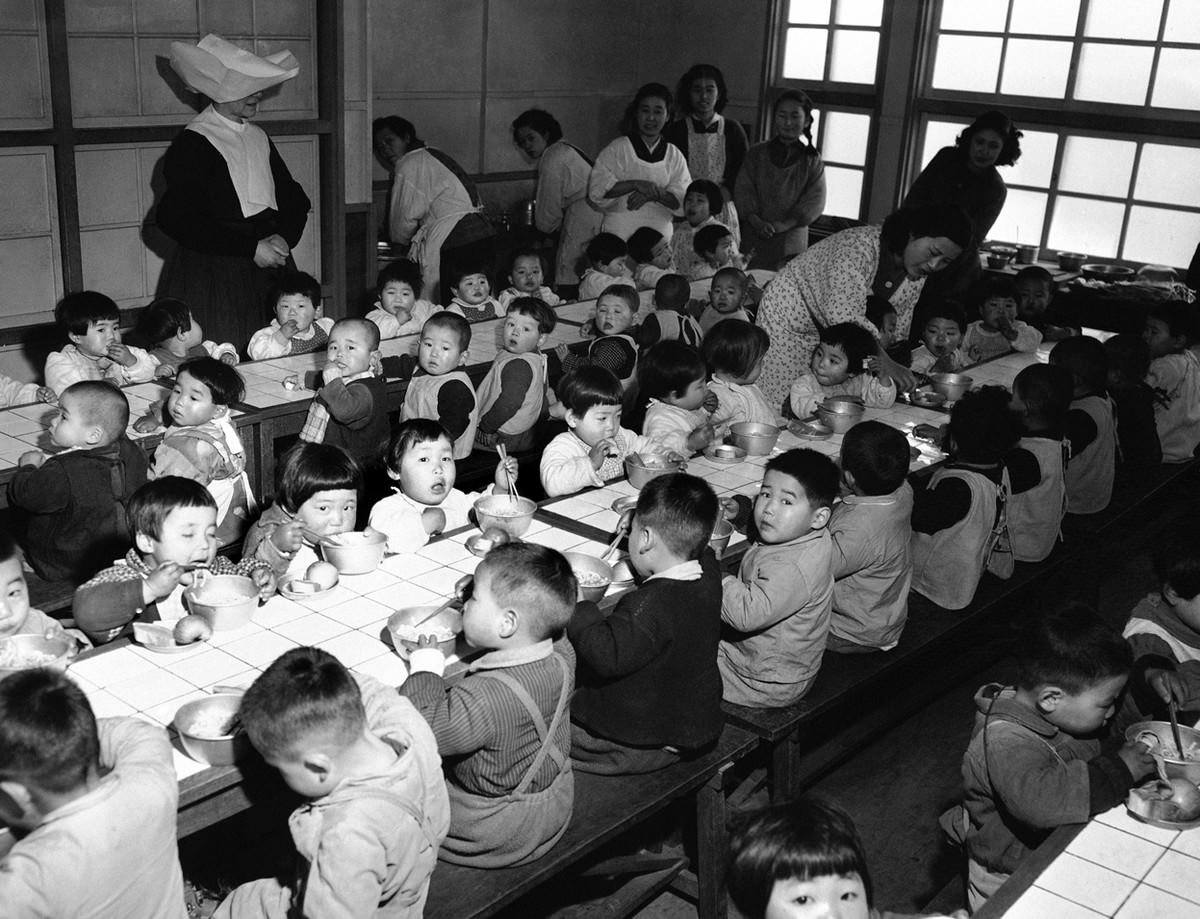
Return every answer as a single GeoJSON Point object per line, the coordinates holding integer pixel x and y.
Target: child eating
{"type": "Point", "coordinates": [299, 326]}
{"type": "Point", "coordinates": [169, 325]}
{"type": "Point", "coordinates": [440, 388]}
{"type": "Point", "coordinates": [673, 378]}
{"type": "Point", "coordinates": [398, 307]}
{"type": "Point", "coordinates": [726, 296]}
{"type": "Point", "coordinates": [174, 526]}
{"type": "Point", "coordinates": [73, 502]}
{"type": "Point", "coordinates": [651, 254]}
{"type": "Point", "coordinates": [1035, 760]}
{"type": "Point", "coordinates": [525, 275]}
{"type": "Point", "coordinates": [733, 351]}
{"type": "Point", "coordinates": [940, 350]}
{"type": "Point", "coordinates": [73, 784]}
{"type": "Point", "coordinates": [420, 459]}
{"type": "Point", "coordinates": [1090, 426]}
{"type": "Point", "coordinates": [376, 809]}
{"type": "Point", "coordinates": [472, 294]}
{"type": "Point", "coordinates": [839, 368]}
{"type": "Point", "coordinates": [512, 396]}
{"type": "Point", "coordinates": [999, 330]}
{"type": "Point", "coordinates": [607, 256]}
{"type": "Point", "coordinates": [670, 320]}
{"type": "Point", "coordinates": [1175, 378]}
{"type": "Point", "coordinates": [779, 604]}
{"type": "Point", "coordinates": [92, 323]}
{"type": "Point", "coordinates": [614, 347]}
{"type": "Point", "coordinates": [648, 688]}
{"type": "Point", "coordinates": [594, 446]}
{"type": "Point", "coordinates": [505, 726]}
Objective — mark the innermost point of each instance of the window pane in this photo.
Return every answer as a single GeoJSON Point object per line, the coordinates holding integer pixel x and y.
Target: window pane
{"type": "Point", "coordinates": [1178, 82]}
{"type": "Point", "coordinates": [1085, 225]}
{"type": "Point", "coordinates": [1122, 19]}
{"type": "Point", "coordinates": [804, 55]}
{"type": "Point", "coordinates": [845, 138]}
{"type": "Point", "coordinates": [1183, 21]}
{"type": "Point", "coordinates": [1022, 217]}
{"type": "Point", "coordinates": [854, 56]}
{"type": "Point", "coordinates": [1112, 73]}
{"type": "Point", "coordinates": [1038, 17]}
{"type": "Point", "coordinates": [1161, 172]}
{"type": "Point", "coordinates": [966, 62]}
{"type": "Point", "coordinates": [938, 134]}
{"type": "Point", "coordinates": [1036, 68]}
{"type": "Point", "coordinates": [843, 192]}
{"type": "Point", "coordinates": [974, 15]}
{"type": "Point", "coordinates": [1094, 165]}
{"type": "Point", "coordinates": [811, 11]}
{"type": "Point", "coordinates": [859, 12]}
{"type": "Point", "coordinates": [1037, 160]}
{"type": "Point", "coordinates": [1161, 237]}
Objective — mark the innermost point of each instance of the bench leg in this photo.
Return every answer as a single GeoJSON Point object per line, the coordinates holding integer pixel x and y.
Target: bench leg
{"type": "Point", "coordinates": [785, 763]}
{"type": "Point", "coordinates": [711, 846]}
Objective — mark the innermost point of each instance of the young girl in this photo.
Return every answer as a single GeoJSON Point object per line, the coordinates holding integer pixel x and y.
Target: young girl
{"type": "Point", "coordinates": [1137, 433]}
{"type": "Point", "coordinates": [420, 459]}
{"type": "Point", "coordinates": [299, 326]}
{"type": "Point", "coordinates": [838, 368]}
{"type": "Point", "coordinates": [512, 395]}
{"type": "Point", "coordinates": [614, 347]}
{"type": "Point", "coordinates": [702, 202]}
{"type": "Point", "coordinates": [733, 350]}
{"type": "Point", "coordinates": [1175, 378]}
{"type": "Point", "coordinates": [318, 496]}
{"type": "Point", "coordinates": [672, 377]}
{"type": "Point", "coordinates": [651, 254]}
{"type": "Point", "coordinates": [800, 859]}
{"type": "Point", "coordinates": [999, 331]}
{"type": "Point", "coordinates": [525, 272]}
{"type": "Point", "coordinates": [398, 307]}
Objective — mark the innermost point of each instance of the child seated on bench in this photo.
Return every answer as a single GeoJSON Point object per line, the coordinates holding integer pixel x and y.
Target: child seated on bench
{"type": "Point", "coordinates": [1090, 426]}
{"type": "Point", "coordinates": [398, 307]}
{"type": "Point", "coordinates": [872, 536]}
{"type": "Point", "coordinates": [998, 331]}
{"type": "Point", "coordinates": [17, 617]}
{"type": "Point", "coordinates": [169, 325]}
{"type": "Point", "coordinates": [1035, 760]}
{"type": "Point", "coordinates": [512, 397]}
{"type": "Point", "coordinates": [1175, 378]}
{"type": "Point", "coordinates": [669, 321]}
{"type": "Point", "coordinates": [525, 275]}
{"type": "Point", "coordinates": [1137, 434]}
{"type": "Point", "coordinates": [505, 726]}
{"type": "Point", "coordinates": [673, 379]}
{"type": "Point", "coordinates": [615, 345]}
{"type": "Point", "coordinates": [608, 263]}
{"type": "Point", "coordinates": [440, 388]}
{"type": "Point", "coordinates": [1037, 466]}
{"type": "Point", "coordinates": [109, 790]}
{"type": "Point", "coordinates": [368, 764]}
{"type": "Point", "coordinates": [778, 607]}
{"type": "Point", "coordinates": [94, 350]}
{"type": "Point", "coordinates": [648, 689]}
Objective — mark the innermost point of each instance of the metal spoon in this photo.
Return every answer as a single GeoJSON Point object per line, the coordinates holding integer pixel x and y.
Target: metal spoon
{"type": "Point", "coordinates": [1175, 727]}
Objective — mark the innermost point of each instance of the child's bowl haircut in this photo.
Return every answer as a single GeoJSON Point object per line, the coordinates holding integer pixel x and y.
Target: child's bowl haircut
{"type": "Point", "coordinates": [995, 289]}
{"type": "Point", "coordinates": [682, 510]}
{"type": "Point", "coordinates": [672, 292]}
{"type": "Point", "coordinates": [734, 346]}
{"type": "Point", "coordinates": [296, 282]}
{"type": "Point", "coordinates": [164, 318]}
{"type": "Point", "coordinates": [1072, 648]}
{"type": "Point", "coordinates": [412, 432]}
{"type": "Point", "coordinates": [981, 426]}
{"type": "Point", "coordinates": [1129, 356]}
{"type": "Point", "coordinates": [76, 312]}
{"type": "Point", "coordinates": [223, 381]}
{"type": "Point", "coordinates": [948, 309]}
{"type": "Point", "coordinates": [306, 696]}
{"type": "Point", "coordinates": [667, 368]}
{"type": "Point", "coordinates": [536, 581]}
{"type": "Point", "coordinates": [535, 309]}
{"type": "Point", "coordinates": [854, 340]}
{"type": "Point", "coordinates": [1035, 274]}
{"type": "Point", "coordinates": [876, 454]}
{"type": "Point", "coordinates": [525, 252]}
{"type": "Point", "coordinates": [816, 474]}
{"type": "Point", "coordinates": [456, 272]}
{"type": "Point", "coordinates": [48, 736]}
{"type": "Point", "coordinates": [587, 387]}
{"type": "Point", "coordinates": [736, 274]}
{"type": "Point", "coordinates": [402, 271]}
{"type": "Point", "coordinates": [712, 191]}
{"type": "Point", "coordinates": [626, 292]}
{"type": "Point", "coordinates": [150, 505]}
{"type": "Point", "coordinates": [1046, 390]}
{"type": "Point", "coordinates": [1176, 560]}
{"type": "Point", "coordinates": [1084, 357]}
{"type": "Point", "coordinates": [604, 247]}
{"type": "Point", "coordinates": [452, 322]}
{"type": "Point", "coordinates": [706, 239]}
{"type": "Point", "coordinates": [102, 404]}
{"type": "Point", "coordinates": [1177, 315]}
{"type": "Point", "coordinates": [309, 468]}
{"type": "Point", "coordinates": [642, 242]}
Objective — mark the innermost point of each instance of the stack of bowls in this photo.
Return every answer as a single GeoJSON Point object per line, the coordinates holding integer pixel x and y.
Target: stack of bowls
{"type": "Point", "coordinates": [840, 414]}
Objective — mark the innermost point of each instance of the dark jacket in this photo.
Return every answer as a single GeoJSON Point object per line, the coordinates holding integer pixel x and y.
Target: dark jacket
{"type": "Point", "coordinates": [358, 421]}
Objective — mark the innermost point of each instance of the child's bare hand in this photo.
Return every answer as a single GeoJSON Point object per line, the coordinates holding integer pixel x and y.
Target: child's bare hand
{"type": "Point", "coordinates": [288, 537]}
{"type": "Point", "coordinates": [228, 357]}
{"type": "Point", "coordinates": [120, 354]}
{"type": "Point", "coordinates": [873, 363]}
{"type": "Point", "coordinates": [1137, 758]}
{"type": "Point", "coordinates": [47, 395]}
{"type": "Point", "coordinates": [504, 471]}
{"type": "Point", "coordinates": [287, 329]}
{"type": "Point", "coordinates": [677, 459]}
{"type": "Point", "coordinates": [148, 423]}
{"type": "Point", "coordinates": [625, 524]}
{"type": "Point", "coordinates": [164, 371]}
{"type": "Point", "coordinates": [730, 508]}
{"type": "Point", "coordinates": [427, 641]}
{"type": "Point", "coordinates": [31, 458]}
{"type": "Point", "coordinates": [1167, 685]}
{"type": "Point", "coordinates": [588, 329]}
{"type": "Point", "coordinates": [434, 520]}
{"type": "Point", "coordinates": [701, 437]}
{"type": "Point", "coordinates": [603, 450]}
{"type": "Point", "coordinates": [562, 351]}
{"type": "Point", "coordinates": [264, 579]}
{"type": "Point", "coordinates": [711, 403]}
{"type": "Point", "coordinates": [162, 580]}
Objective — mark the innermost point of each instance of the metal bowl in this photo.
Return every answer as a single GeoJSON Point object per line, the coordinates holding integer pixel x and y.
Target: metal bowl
{"type": "Point", "coordinates": [719, 541]}
{"type": "Point", "coordinates": [840, 417]}
{"type": "Point", "coordinates": [810, 430]}
{"type": "Point", "coordinates": [24, 652]}
{"type": "Point", "coordinates": [1027, 253]}
{"type": "Point", "coordinates": [844, 404]}
{"type": "Point", "coordinates": [405, 638]}
{"type": "Point", "coordinates": [1098, 272]}
{"type": "Point", "coordinates": [1157, 735]}
{"type": "Point", "coordinates": [756, 438]}
{"type": "Point", "coordinates": [927, 398]}
{"type": "Point", "coordinates": [1071, 261]}
{"type": "Point", "coordinates": [641, 469]}
{"type": "Point", "coordinates": [512, 515]}
{"type": "Point", "coordinates": [589, 565]}
{"type": "Point", "coordinates": [224, 750]}
{"type": "Point", "coordinates": [1005, 252]}
{"type": "Point", "coordinates": [622, 575]}
{"type": "Point", "coordinates": [725, 453]}
{"type": "Point", "coordinates": [953, 386]}
{"type": "Point", "coordinates": [354, 553]}
{"type": "Point", "coordinates": [224, 601]}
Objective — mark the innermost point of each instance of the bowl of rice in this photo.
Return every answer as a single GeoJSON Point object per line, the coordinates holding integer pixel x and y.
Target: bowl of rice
{"type": "Point", "coordinates": [24, 652]}
{"type": "Point", "coordinates": [445, 628]}
{"type": "Point", "coordinates": [225, 601]}
{"type": "Point", "coordinates": [512, 515]}
{"type": "Point", "coordinates": [642, 467]}
{"type": "Point", "coordinates": [1158, 736]}
{"type": "Point", "coordinates": [592, 575]}
{"type": "Point", "coordinates": [211, 731]}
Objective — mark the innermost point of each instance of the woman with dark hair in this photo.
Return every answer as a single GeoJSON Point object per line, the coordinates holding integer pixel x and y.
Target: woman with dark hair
{"type": "Point", "coordinates": [640, 178]}
{"type": "Point", "coordinates": [433, 207]}
{"type": "Point", "coordinates": [830, 283]}
{"type": "Point", "coordinates": [781, 187]}
{"type": "Point", "coordinates": [713, 145]}
{"type": "Point", "coordinates": [965, 175]}
{"type": "Point", "coordinates": [562, 207]}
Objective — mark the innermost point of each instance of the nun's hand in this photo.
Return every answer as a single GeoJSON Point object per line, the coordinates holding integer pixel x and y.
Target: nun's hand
{"type": "Point", "coordinates": [267, 255]}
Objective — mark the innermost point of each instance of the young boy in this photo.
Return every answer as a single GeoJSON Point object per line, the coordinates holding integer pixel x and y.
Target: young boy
{"type": "Point", "coordinates": [871, 534]}
{"type": "Point", "coordinates": [594, 446]}
{"type": "Point", "coordinates": [779, 604]}
{"type": "Point", "coordinates": [607, 256]}
{"type": "Point", "coordinates": [377, 809]}
{"type": "Point", "coordinates": [398, 307]}
{"type": "Point", "coordinates": [649, 691]}
{"type": "Point", "coordinates": [299, 326]}
{"type": "Point", "coordinates": [420, 460]}
{"type": "Point", "coordinates": [615, 347]}
{"type": "Point", "coordinates": [716, 249]}
{"type": "Point", "coordinates": [74, 501]}
{"type": "Point", "coordinates": [440, 388]}
{"type": "Point", "coordinates": [174, 522]}
{"type": "Point", "coordinates": [940, 350]}
{"type": "Point", "coordinates": [506, 724]}
{"type": "Point", "coordinates": [1035, 304]}
{"type": "Point", "coordinates": [1034, 762]}
{"type": "Point", "coordinates": [670, 321]}
{"type": "Point", "coordinates": [92, 324]}
{"type": "Point", "coordinates": [525, 277]}
{"type": "Point", "coordinates": [472, 294]}
{"type": "Point", "coordinates": [1164, 629]}
{"type": "Point", "coordinates": [512, 396]}
{"type": "Point", "coordinates": [651, 257]}
{"type": "Point", "coordinates": [726, 296]}
{"type": "Point", "coordinates": [999, 331]}
{"type": "Point", "coordinates": [17, 617]}
{"type": "Point", "coordinates": [169, 325]}
{"type": "Point", "coordinates": [1175, 378]}
{"type": "Point", "coordinates": [1090, 428]}
{"type": "Point", "coordinates": [94, 801]}
{"type": "Point", "coordinates": [349, 410]}
{"type": "Point", "coordinates": [201, 442]}
{"type": "Point", "coordinates": [673, 378]}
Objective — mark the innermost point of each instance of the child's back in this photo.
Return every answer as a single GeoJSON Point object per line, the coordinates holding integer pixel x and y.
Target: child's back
{"type": "Point", "coordinates": [1137, 431]}
{"type": "Point", "coordinates": [1175, 380]}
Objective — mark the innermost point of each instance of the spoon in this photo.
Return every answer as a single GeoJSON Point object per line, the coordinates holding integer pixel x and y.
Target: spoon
{"type": "Point", "coordinates": [1175, 727]}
